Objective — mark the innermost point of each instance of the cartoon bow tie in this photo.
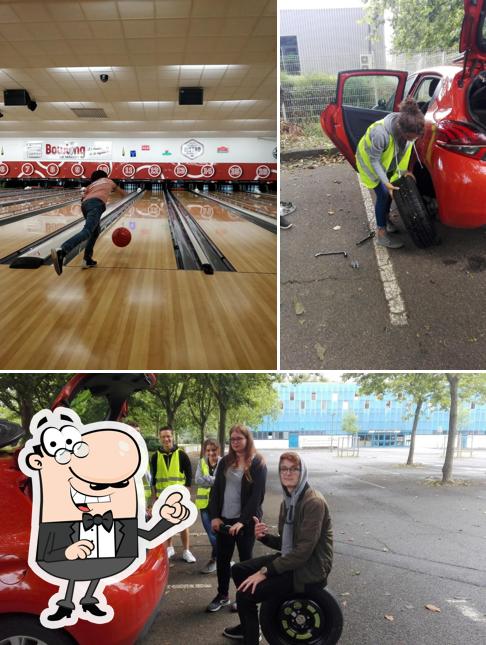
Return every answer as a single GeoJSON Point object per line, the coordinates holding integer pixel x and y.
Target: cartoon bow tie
{"type": "Point", "coordinates": [95, 520]}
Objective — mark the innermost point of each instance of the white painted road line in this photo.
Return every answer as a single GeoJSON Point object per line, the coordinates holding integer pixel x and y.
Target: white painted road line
{"type": "Point", "coordinates": [393, 294]}
{"type": "Point", "coordinates": [467, 611]}
{"type": "Point", "coordinates": [189, 586]}
{"type": "Point", "coordinates": [365, 482]}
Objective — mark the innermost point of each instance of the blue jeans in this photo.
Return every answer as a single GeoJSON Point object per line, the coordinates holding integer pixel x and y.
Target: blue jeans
{"type": "Point", "coordinates": [206, 520]}
{"type": "Point", "coordinates": [382, 205]}
{"type": "Point", "coordinates": [92, 210]}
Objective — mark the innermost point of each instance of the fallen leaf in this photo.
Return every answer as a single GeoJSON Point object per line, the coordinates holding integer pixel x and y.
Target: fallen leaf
{"type": "Point", "coordinates": [331, 212]}
{"type": "Point", "coordinates": [345, 593]}
{"type": "Point", "coordinates": [302, 321]}
{"type": "Point", "coordinates": [344, 603]}
{"type": "Point", "coordinates": [336, 228]}
{"type": "Point", "coordinates": [356, 573]}
{"type": "Point", "coordinates": [299, 308]}
{"type": "Point", "coordinates": [432, 608]}
{"type": "Point", "coordinates": [320, 351]}
{"type": "Point", "coordinates": [389, 617]}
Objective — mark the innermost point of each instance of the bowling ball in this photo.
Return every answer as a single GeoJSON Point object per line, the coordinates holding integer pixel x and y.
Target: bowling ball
{"type": "Point", "coordinates": [121, 236]}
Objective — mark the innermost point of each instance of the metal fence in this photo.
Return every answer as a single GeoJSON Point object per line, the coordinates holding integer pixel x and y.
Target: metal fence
{"type": "Point", "coordinates": [303, 97]}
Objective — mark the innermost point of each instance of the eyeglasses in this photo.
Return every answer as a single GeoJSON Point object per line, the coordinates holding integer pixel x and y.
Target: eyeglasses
{"type": "Point", "coordinates": [291, 470]}
{"type": "Point", "coordinates": [233, 439]}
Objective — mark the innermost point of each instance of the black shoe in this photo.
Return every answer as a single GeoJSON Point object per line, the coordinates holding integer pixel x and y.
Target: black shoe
{"type": "Point", "coordinates": [236, 633]}
{"type": "Point", "coordinates": [284, 223]}
{"type": "Point", "coordinates": [57, 257]}
{"type": "Point", "coordinates": [88, 263]}
{"type": "Point", "coordinates": [62, 612]}
{"type": "Point", "coordinates": [93, 608]}
{"type": "Point", "coordinates": [218, 602]}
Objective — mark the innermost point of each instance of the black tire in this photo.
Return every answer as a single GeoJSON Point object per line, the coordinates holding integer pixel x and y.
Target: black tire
{"type": "Point", "coordinates": [27, 626]}
{"type": "Point", "coordinates": [414, 213]}
{"type": "Point", "coordinates": [315, 614]}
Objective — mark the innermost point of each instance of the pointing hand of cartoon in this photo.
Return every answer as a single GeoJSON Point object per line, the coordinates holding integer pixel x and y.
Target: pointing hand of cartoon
{"type": "Point", "coordinates": [173, 510]}
{"type": "Point", "coordinates": [79, 550]}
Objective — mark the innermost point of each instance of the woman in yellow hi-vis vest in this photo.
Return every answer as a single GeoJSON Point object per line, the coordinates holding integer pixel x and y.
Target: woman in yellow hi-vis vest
{"type": "Point", "coordinates": [170, 465]}
{"type": "Point", "coordinates": [383, 155]}
{"type": "Point", "coordinates": [205, 475]}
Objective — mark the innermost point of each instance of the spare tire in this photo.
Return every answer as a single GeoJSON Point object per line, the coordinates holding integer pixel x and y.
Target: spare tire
{"type": "Point", "coordinates": [413, 211]}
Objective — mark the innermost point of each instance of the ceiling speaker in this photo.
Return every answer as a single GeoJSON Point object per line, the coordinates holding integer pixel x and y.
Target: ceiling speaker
{"type": "Point", "coordinates": [190, 96]}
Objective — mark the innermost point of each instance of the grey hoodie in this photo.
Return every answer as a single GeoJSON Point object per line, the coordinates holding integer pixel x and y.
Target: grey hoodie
{"type": "Point", "coordinates": [380, 137]}
{"type": "Point", "coordinates": [290, 501]}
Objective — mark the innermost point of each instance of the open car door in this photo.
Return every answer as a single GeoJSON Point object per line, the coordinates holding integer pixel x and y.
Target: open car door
{"type": "Point", "coordinates": [116, 388]}
{"type": "Point", "coordinates": [362, 97]}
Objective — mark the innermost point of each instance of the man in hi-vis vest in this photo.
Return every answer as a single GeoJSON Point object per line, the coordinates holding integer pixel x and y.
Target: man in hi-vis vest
{"type": "Point", "coordinates": [170, 465]}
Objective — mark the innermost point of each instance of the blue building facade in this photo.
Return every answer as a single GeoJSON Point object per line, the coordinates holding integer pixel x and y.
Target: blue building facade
{"type": "Point", "coordinates": [316, 408]}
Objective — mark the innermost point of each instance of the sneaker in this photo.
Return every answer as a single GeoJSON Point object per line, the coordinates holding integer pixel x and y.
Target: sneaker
{"type": "Point", "coordinates": [170, 552]}
{"type": "Point", "coordinates": [57, 257]}
{"type": "Point", "coordinates": [284, 222]}
{"type": "Point", "coordinates": [218, 602]}
{"type": "Point", "coordinates": [384, 240]}
{"type": "Point", "coordinates": [187, 556]}
{"type": "Point", "coordinates": [236, 633]}
{"type": "Point", "coordinates": [89, 263]}
{"type": "Point", "coordinates": [210, 567]}
{"type": "Point", "coordinates": [391, 228]}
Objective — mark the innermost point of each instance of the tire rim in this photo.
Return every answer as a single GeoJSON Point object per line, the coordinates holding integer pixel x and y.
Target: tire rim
{"type": "Point", "coordinates": [301, 620]}
{"type": "Point", "coordinates": [22, 640]}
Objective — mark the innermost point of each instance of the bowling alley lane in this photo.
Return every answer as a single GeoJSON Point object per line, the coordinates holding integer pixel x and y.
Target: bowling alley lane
{"type": "Point", "coordinates": [249, 247]}
{"type": "Point", "coordinates": [151, 243]}
{"type": "Point", "coordinates": [30, 229]}
{"type": "Point", "coordinates": [26, 231]}
{"type": "Point", "coordinates": [107, 318]}
{"type": "Point", "coordinates": [256, 203]}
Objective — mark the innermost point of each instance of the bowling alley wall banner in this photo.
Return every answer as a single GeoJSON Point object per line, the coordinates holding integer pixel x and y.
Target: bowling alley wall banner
{"type": "Point", "coordinates": [145, 159]}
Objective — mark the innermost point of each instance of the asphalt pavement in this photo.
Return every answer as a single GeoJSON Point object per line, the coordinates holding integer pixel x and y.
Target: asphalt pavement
{"type": "Point", "coordinates": [334, 316]}
{"type": "Point", "coordinates": [401, 542]}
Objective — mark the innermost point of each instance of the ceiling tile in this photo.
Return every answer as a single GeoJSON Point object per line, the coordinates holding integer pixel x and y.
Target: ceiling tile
{"type": "Point", "coordinates": [172, 8]}
{"type": "Point", "coordinates": [100, 10]}
{"type": "Point", "coordinates": [64, 11]}
{"type": "Point", "coordinates": [140, 9]}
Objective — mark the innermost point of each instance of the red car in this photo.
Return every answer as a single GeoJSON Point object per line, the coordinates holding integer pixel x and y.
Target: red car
{"type": "Point", "coordinates": [450, 165]}
{"type": "Point", "coordinates": [22, 594]}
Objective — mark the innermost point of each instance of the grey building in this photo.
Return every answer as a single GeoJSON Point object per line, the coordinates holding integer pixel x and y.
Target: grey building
{"type": "Point", "coordinates": [328, 41]}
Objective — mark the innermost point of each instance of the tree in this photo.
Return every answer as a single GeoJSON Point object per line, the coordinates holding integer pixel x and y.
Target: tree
{"type": "Point", "coordinates": [350, 423]}
{"type": "Point", "coordinates": [418, 25]}
{"type": "Point", "coordinates": [461, 387]}
{"type": "Point", "coordinates": [201, 402]}
{"type": "Point", "coordinates": [416, 387]}
{"type": "Point", "coordinates": [25, 394]}
{"type": "Point", "coordinates": [233, 391]}
{"type": "Point", "coordinates": [171, 390]}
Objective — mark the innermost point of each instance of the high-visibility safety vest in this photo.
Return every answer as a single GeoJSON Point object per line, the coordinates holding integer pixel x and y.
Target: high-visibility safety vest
{"type": "Point", "coordinates": [367, 173]}
{"type": "Point", "coordinates": [202, 494]}
{"type": "Point", "coordinates": [167, 477]}
{"type": "Point", "coordinates": [147, 488]}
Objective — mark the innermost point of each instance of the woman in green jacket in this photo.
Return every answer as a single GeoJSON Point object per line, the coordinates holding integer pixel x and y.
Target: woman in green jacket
{"type": "Point", "coordinates": [383, 155]}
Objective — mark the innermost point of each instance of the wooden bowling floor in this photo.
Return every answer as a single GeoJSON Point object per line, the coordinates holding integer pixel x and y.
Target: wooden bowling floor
{"type": "Point", "coordinates": [137, 311]}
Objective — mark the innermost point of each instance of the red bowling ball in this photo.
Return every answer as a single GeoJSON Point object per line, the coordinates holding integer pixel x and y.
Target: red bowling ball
{"type": "Point", "coordinates": [121, 236]}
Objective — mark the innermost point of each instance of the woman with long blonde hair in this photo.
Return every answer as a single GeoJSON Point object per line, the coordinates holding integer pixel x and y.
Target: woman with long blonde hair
{"type": "Point", "coordinates": [236, 497]}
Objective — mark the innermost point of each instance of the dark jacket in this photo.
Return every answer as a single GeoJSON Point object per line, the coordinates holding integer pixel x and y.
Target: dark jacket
{"type": "Point", "coordinates": [311, 558]}
{"type": "Point", "coordinates": [184, 464]}
{"type": "Point", "coordinates": [252, 492]}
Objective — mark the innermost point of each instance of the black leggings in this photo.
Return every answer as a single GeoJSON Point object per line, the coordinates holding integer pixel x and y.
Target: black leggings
{"type": "Point", "coordinates": [225, 546]}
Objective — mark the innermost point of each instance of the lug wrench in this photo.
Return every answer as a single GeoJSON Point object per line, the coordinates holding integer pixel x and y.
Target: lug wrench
{"type": "Point", "coordinates": [370, 236]}
{"type": "Point", "coordinates": [331, 253]}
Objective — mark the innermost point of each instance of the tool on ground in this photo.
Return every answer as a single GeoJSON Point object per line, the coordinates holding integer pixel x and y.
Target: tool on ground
{"type": "Point", "coordinates": [286, 208]}
{"type": "Point", "coordinates": [331, 253]}
{"type": "Point", "coordinates": [370, 235]}
{"type": "Point", "coordinates": [354, 264]}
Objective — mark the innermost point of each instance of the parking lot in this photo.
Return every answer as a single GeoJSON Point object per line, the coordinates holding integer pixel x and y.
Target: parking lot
{"type": "Point", "coordinates": [401, 542]}
{"type": "Point", "coordinates": [403, 309]}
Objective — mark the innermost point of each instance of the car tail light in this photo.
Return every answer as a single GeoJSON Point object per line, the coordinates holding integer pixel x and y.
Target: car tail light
{"type": "Point", "coordinates": [463, 138]}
